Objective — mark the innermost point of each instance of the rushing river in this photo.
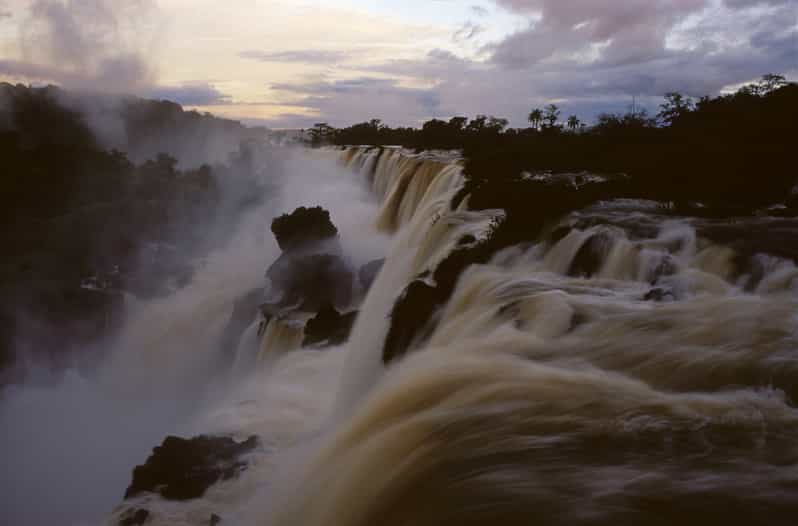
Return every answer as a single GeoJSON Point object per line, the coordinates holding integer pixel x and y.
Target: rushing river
{"type": "Point", "coordinates": [626, 368]}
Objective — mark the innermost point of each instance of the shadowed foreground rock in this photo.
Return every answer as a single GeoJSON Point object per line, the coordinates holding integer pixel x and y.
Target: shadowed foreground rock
{"type": "Point", "coordinates": [182, 469]}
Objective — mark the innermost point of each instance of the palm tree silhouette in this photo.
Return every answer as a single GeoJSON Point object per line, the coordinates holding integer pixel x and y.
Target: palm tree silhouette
{"type": "Point", "coordinates": [573, 122]}
{"type": "Point", "coordinates": [536, 117]}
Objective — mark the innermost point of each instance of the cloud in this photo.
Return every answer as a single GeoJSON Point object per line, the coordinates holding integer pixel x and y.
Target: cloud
{"type": "Point", "coordinates": [93, 44]}
{"type": "Point", "coordinates": [192, 94]}
{"type": "Point", "coordinates": [744, 4]}
{"type": "Point", "coordinates": [479, 10]}
{"type": "Point", "coordinates": [467, 32]}
{"type": "Point", "coordinates": [352, 100]}
{"type": "Point", "coordinates": [306, 56]}
{"type": "Point", "coordinates": [626, 31]}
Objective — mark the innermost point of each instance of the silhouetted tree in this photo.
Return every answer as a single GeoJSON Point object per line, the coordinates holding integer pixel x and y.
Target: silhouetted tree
{"type": "Point", "coordinates": [771, 82]}
{"type": "Point", "coordinates": [320, 133]}
{"type": "Point", "coordinates": [458, 123]}
{"type": "Point", "coordinates": [574, 122]}
{"type": "Point", "coordinates": [536, 117]}
{"type": "Point", "coordinates": [675, 106]}
{"type": "Point", "coordinates": [551, 115]}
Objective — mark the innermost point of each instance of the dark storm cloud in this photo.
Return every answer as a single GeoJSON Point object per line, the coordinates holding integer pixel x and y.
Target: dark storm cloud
{"type": "Point", "coordinates": [305, 56]}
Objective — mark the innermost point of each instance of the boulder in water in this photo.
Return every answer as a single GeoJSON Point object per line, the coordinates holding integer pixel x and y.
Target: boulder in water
{"type": "Point", "coordinates": [328, 327]}
{"type": "Point", "coordinates": [182, 469]}
{"type": "Point", "coordinates": [311, 281]}
{"type": "Point", "coordinates": [303, 227]}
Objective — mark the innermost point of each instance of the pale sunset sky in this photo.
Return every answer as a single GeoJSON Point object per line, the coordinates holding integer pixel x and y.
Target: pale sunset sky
{"type": "Point", "coordinates": [290, 63]}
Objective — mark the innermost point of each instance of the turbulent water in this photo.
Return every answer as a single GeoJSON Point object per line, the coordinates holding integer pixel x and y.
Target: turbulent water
{"type": "Point", "coordinates": [624, 369]}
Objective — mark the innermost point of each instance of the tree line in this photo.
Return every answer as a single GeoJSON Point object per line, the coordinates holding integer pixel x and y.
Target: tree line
{"type": "Point", "coordinates": [731, 149]}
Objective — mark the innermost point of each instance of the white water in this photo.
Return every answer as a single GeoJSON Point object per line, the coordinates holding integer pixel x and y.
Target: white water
{"type": "Point", "coordinates": [518, 407]}
{"type": "Point", "coordinates": [534, 383]}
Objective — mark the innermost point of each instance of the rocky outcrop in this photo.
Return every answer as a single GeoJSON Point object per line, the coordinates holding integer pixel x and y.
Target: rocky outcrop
{"type": "Point", "coordinates": [328, 327]}
{"type": "Point", "coordinates": [303, 227]}
{"type": "Point", "coordinates": [310, 281]}
{"type": "Point", "coordinates": [311, 272]}
{"type": "Point", "coordinates": [182, 469]}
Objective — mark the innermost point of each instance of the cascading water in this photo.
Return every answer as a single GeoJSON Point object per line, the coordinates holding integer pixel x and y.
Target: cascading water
{"type": "Point", "coordinates": [625, 368]}
{"type": "Point", "coordinates": [621, 374]}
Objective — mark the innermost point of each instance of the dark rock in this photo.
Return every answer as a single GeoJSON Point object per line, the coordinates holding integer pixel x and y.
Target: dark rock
{"type": "Point", "coordinates": [368, 272]}
{"type": "Point", "coordinates": [329, 327]}
{"type": "Point", "coordinates": [182, 469]}
{"type": "Point", "coordinates": [303, 227]}
{"type": "Point", "coordinates": [134, 517]}
{"type": "Point", "coordinates": [215, 519]}
{"type": "Point", "coordinates": [659, 294]}
{"type": "Point", "coordinates": [411, 314]}
{"type": "Point", "coordinates": [467, 239]}
{"type": "Point", "coordinates": [590, 257]}
{"type": "Point", "coordinates": [311, 281]}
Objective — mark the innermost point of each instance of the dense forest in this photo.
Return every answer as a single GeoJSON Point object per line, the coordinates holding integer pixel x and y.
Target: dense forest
{"type": "Point", "coordinates": [732, 151]}
{"type": "Point", "coordinates": [82, 224]}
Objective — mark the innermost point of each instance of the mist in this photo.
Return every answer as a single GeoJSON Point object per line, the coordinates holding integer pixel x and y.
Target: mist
{"type": "Point", "coordinates": [73, 436]}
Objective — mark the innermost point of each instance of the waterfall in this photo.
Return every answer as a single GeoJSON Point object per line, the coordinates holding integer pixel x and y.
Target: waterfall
{"type": "Point", "coordinates": [605, 376]}
{"type": "Point", "coordinates": [623, 365]}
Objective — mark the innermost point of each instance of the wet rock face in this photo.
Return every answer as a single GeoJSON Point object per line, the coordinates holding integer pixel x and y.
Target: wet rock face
{"type": "Point", "coordinates": [134, 517]}
{"type": "Point", "coordinates": [311, 281]}
{"type": "Point", "coordinates": [244, 311]}
{"type": "Point", "coordinates": [303, 227]}
{"type": "Point", "coordinates": [589, 258]}
{"type": "Point", "coordinates": [411, 316]}
{"type": "Point", "coordinates": [368, 272]}
{"type": "Point", "coordinates": [328, 327]}
{"type": "Point", "coordinates": [311, 271]}
{"type": "Point", "coordinates": [182, 469]}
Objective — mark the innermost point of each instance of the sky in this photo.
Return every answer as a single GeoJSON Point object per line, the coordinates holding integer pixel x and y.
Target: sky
{"type": "Point", "coordinates": [292, 63]}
